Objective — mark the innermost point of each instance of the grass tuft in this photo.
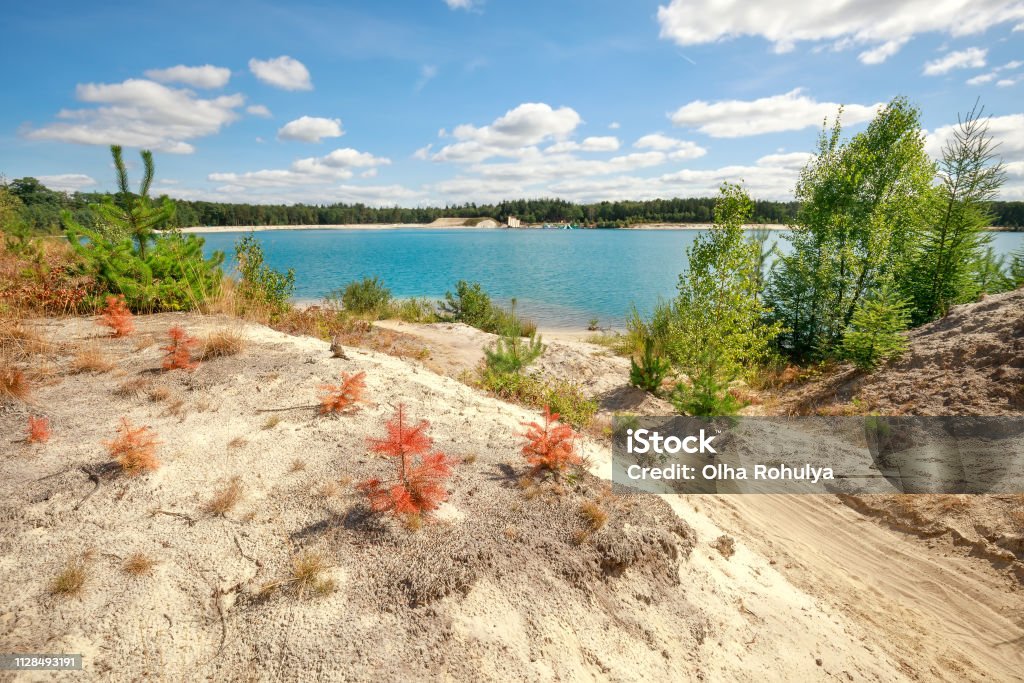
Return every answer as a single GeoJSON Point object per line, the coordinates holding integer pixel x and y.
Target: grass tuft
{"type": "Point", "coordinates": [71, 580]}
{"type": "Point", "coordinates": [225, 499]}
{"type": "Point", "coordinates": [91, 360]}
{"type": "Point", "coordinates": [222, 343]}
{"type": "Point", "coordinates": [139, 564]}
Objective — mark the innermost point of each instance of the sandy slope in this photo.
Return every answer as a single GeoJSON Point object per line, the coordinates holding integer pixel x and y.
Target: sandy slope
{"type": "Point", "coordinates": [500, 588]}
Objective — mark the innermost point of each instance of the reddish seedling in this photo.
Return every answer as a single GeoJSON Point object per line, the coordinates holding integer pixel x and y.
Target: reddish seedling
{"type": "Point", "coordinates": [134, 448]}
{"type": "Point", "coordinates": [552, 446]}
{"type": "Point", "coordinates": [420, 473]}
{"type": "Point", "coordinates": [179, 350]}
{"type": "Point", "coordinates": [339, 398]}
{"type": "Point", "coordinates": [38, 430]}
{"type": "Point", "coordinates": [117, 317]}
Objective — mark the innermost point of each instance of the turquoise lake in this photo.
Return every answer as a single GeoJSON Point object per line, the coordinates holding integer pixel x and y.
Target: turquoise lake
{"type": "Point", "coordinates": [560, 278]}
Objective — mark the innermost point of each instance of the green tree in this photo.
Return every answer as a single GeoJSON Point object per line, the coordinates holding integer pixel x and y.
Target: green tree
{"type": "Point", "coordinates": [946, 247]}
{"type": "Point", "coordinates": [259, 284]}
{"type": "Point", "coordinates": [873, 335]}
{"type": "Point", "coordinates": [861, 201]}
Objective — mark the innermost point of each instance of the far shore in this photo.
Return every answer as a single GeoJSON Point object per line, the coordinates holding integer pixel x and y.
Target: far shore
{"type": "Point", "coordinates": [427, 226]}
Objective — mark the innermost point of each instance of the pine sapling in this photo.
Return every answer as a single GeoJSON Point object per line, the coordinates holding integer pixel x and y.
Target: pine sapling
{"type": "Point", "coordinates": [134, 449]}
{"type": "Point", "coordinates": [179, 350]}
{"type": "Point", "coordinates": [117, 317]}
{"type": "Point", "coordinates": [418, 485]}
{"type": "Point", "coordinates": [550, 447]}
{"type": "Point", "coordinates": [340, 398]}
{"type": "Point", "coordinates": [38, 429]}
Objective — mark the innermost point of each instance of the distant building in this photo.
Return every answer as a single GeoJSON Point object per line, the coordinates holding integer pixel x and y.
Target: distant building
{"type": "Point", "coordinates": [514, 222]}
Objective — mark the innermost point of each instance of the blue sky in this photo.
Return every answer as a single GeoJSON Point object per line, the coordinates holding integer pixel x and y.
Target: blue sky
{"type": "Point", "coordinates": [438, 101]}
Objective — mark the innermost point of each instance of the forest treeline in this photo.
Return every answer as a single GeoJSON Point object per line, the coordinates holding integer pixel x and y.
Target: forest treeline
{"type": "Point", "coordinates": [41, 207]}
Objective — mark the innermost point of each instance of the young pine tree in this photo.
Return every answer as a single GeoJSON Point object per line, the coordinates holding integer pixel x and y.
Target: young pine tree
{"type": "Point", "coordinates": [651, 371]}
{"type": "Point", "coordinates": [873, 335]}
{"type": "Point", "coordinates": [954, 236]}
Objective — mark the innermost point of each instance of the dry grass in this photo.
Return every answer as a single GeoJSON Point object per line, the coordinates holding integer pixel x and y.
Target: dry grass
{"type": "Point", "coordinates": [726, 545]}
{"type": "Point", "coordinates": [226, 498]}
{"type": "Point", "coordinates": [222, 343]}
{"type": "Point", "coordinates": [144, 342]}
{"type": "Point", "coordinates": [139, 564]}
{"type": "Point", "coordinates": [20, 341]}
{"type": "Point", "coordinates": [469, 459]}
{"type": "Point", "coordinates": [158, 393]}
{"type": "Point", "coordinates": [594, 516]}
{"type": "Point", "coordinates": [298, 465]}
{"type": "Point", "coordinates": [237, 442]}
{"type": "Point", "coordinates": [132, 388]}
{"type": "Point", "coordinates": [13, 385]}
{"type": "Point", "coordinates": [91, 360]}
{"type": "Point", "coordinates": [307, 569]}
{"type": "Point", "coordinates": [71, 580]}
{"type": "Point", "coordinates": [272, 422]}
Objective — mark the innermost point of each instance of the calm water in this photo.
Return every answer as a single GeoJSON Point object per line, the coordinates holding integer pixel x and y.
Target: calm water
{"type": "Point", "coordinates": [561, 278]}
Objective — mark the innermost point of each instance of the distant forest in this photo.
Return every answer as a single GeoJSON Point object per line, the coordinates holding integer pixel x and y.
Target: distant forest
{"type": "Point", "coordinates": [41, 209]}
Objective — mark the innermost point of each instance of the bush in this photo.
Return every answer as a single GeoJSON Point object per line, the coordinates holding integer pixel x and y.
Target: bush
{"type": "Point", "coordinates": [260, 286]}
{"type": "Point", "coordinates": [134, 449]}
{"type": "Point", "coordinates": [179, 350]}
{"type": "Point", "coordinates": [550, 447]}
{"type": "Point", "coordinates": [651, 371]}
{"type": "Point", "coordinates": [418, 484]}
{"type": "Point", "coordinates": [511, 353]}
{"type": "Point", "coordinates": [708, 393]}
{"type": "Point", "coordinates": [366, 296]}
{"type": "Point", "coordinates": [117, 317]}
{"type": "Point", "coordinates": [873, 336]}
{"type": "Point", "coordinates": [339, 398]}
{"type": "Point", "coordinates": [564, 397]}
{"type": "Point", "coordinates": [470, 305]}
{"type": "Point", "coordinates": [412, 311]}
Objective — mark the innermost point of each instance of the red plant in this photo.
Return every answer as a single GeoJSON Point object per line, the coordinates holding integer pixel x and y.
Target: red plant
{"type": "Point", "coordinates": [338, 398]}
{"type": "Point", "coordinates": [552, 446]}
{"type": "Point", "coordinates": [179, 351]}
{"type": "Point", "coordinates": [38, 430]}
{"type": "Point", "coordinates": [418, 485]}
{"type": "Point", "coordinates": [117, 317]}
{"type": "Point", "coordinates": [134, 449]}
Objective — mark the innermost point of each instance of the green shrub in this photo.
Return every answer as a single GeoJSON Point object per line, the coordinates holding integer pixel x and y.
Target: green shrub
{"type": "Point", "coordinates": [259, 284]}
{"type": "Point", "coordinates": [873, 336]}
{"type": "Point", "coordinates": [563, 397]}
{"type": "Point", "coordinates": [470, 305]}
{"type": "Point", "coordinates": [412, 311]}
{"type": "Point", "coordinates": [511, 353]}
{"type": "Point", "coordinates": [708, 393]}
{"type": "Point", "coordinates": [368, 295]}
{"type": "Point", "coordinates": [651, 371]}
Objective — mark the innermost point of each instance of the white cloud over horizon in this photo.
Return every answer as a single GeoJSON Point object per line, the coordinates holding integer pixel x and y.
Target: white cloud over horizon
{"type": "Point", "coordinates": [310, 129]}
{"type": "Point", "coordinates": [880, 29]}
{"type": "Point", "coordinates": [67, 182]}
{"type": "Point", "coordinates": [524, 126]}
{"type": "Point", "coordinates": [140, 113]}
{"type": "Point", "coordinates": [282, 72]}
{"type": "Point", "coordinates": [790, 111]}
{"type": "Point", "coordinates": [206, 76]}
{"type": "Point", "coordinates": [971, 58]}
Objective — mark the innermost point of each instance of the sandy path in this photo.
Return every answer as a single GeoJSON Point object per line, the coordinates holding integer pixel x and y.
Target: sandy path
{"type": "Point", "coordinates": [941, 614]}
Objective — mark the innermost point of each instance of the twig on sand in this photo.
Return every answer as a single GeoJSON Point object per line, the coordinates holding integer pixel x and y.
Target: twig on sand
{"type": "Point", "coordinates": [278, 410]}
{"type": "Point", "coordinates": [171, 513]}
{"type": "Point", "coordinates": [94, 477]}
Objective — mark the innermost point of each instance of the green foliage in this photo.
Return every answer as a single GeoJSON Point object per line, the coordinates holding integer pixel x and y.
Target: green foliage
{"type": "Point", "coordinates": [861, 203]}
{"type": "Point", "coordinates": [708, 391]}
{"type": "Point", "coordinates": [873, 335]}
{"type": "Point", "coordinates": [946, 248]}
{"type": "Point", "coordinates": [412, 310]}
{"type": "Point", "coordinates": [470, 305]}
{"type": "Point", "coordinates": [260, 285]}
{"type": "Point", "coordinates": [1017, 268]}
{"type": "Point", "coordinates": [125, 255]}
{"type": "Point", "coordinates": [990, 274]}
{"type": "Point", "coordinates": [368, 295]}
{"type": "Point", "coordinates": [651, 371]}
{"type": "Point", "coordinates": [718, 313]}
{"type": "Point", "coordinates": [563, 397]}
{"type": "Point", "coordinates": [511, 353]}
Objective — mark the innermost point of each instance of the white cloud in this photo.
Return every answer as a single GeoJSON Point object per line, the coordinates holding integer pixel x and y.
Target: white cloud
{"type": "Point", "coordinates": [310, 129]}
{"type": "Point", "coordinates": [881, 27]}
{"type": "Point", "coordinates": [141, 113]}
{"type": "Point", "coordinates": [681, 149]}
{"type": "Point", "coordinates": [524, 126]}
{"type": "Point", "coordinates": [462, 4]}
{"type": "Point", "coordinates": [614, 125]}
{"type": "Point", "coordinates": [282, 72]}
{"type": "Point", "coordinates": [308, 172]}
{"type": "Point", "coordinates": [66, 182]}
{"type": "Point", "coordinates": [258, 110]}
{"type": "Point", "coordinates": [1006, 82]}
{"type": "Point", "coordinates": [982, 79]}
{"type": "Point", "coordinates": [206, 76]}
{"type": "Point", "coordinates": [603, 143]}
{"type": "Point", "coordinates": [971, 58]}
{"type": "Point", "coordinates": [790, 111]}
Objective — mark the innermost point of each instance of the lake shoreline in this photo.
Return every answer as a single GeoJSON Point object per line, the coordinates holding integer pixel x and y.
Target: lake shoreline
{"type": "Point", "coordinates": [774, 227]}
